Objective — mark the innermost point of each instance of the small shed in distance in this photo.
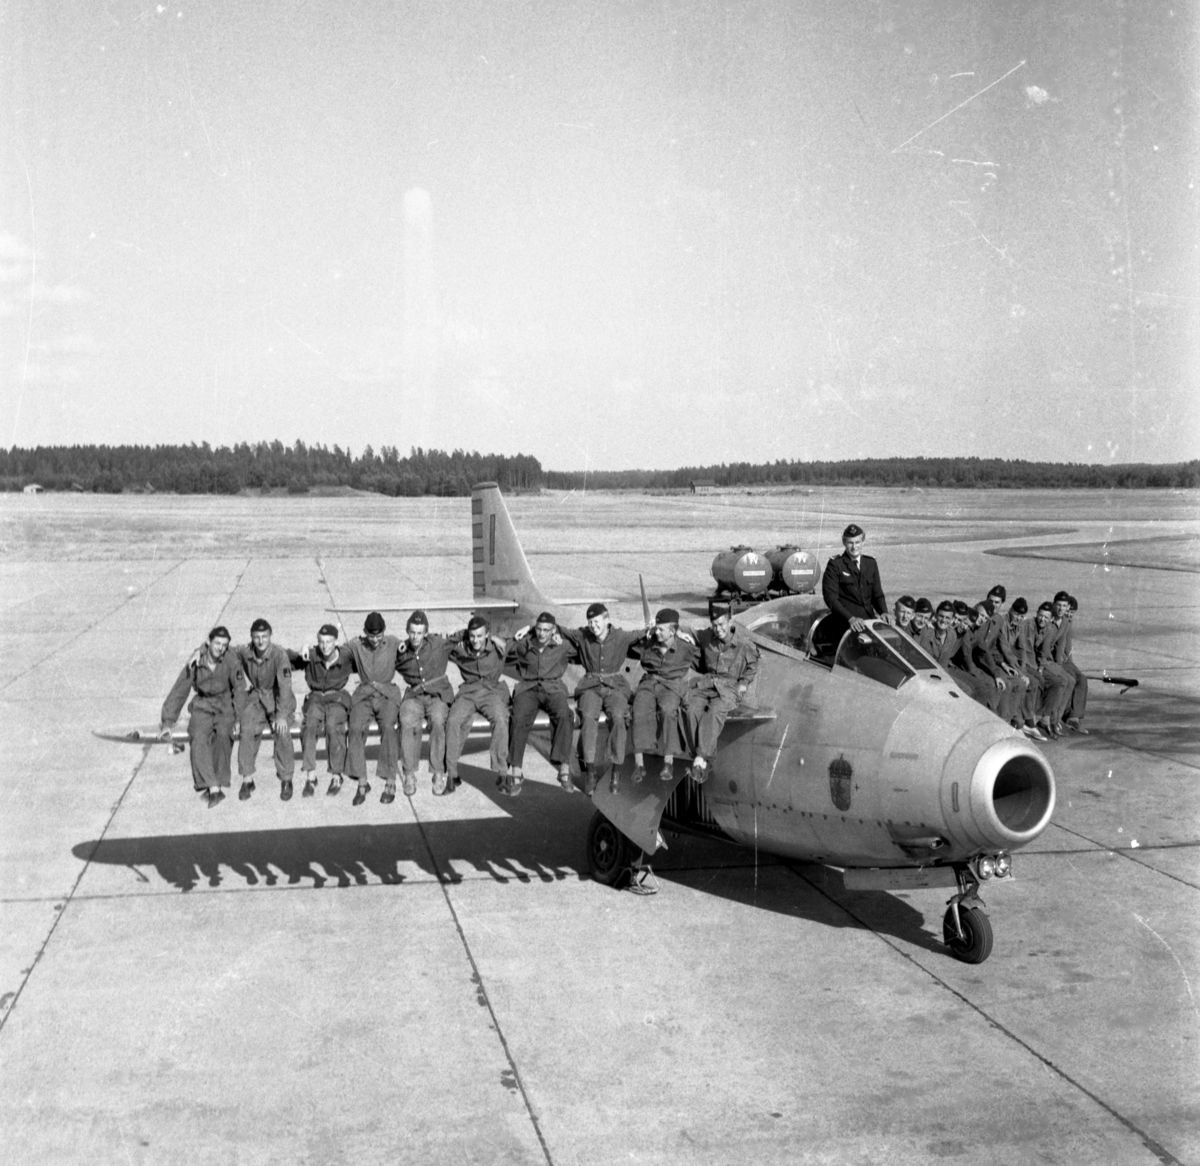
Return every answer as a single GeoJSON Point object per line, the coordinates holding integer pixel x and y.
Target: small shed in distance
{"type": "Point", "coordinates": [703, 486]}
{"type": "Point", "coordinates": [33, 488]}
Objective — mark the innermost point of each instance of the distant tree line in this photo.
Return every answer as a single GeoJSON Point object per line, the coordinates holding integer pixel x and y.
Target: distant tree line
{"type": "Point", "coordinates": [201, 469]}
{"type": "Point", "coordinates": [960, 472]}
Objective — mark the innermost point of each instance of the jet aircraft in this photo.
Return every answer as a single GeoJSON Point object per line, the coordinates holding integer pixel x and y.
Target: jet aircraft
{"type": "Point", "coordinates": [870, 760]}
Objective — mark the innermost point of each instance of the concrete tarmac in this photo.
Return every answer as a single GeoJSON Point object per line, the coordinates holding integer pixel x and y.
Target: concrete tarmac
{"type": "Point", "coordinates": [438, 981]}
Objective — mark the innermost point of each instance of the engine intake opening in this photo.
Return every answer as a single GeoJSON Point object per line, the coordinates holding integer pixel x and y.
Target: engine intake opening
{"type": "Point", "coordinates": [1021, 794]}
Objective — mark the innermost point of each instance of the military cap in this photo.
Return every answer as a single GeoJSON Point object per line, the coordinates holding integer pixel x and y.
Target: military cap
{"type": "Point", "coordinates": [960, 607]}
{"type": "Point", "coordinates": [945, 605]}
{"type": "Point", "coordinates": [259, 625]}
{"type": "Point", "coordinates": [327, 629]}
{"type": "Point", "coordinates": [924, 606]}
{"type": "Point", "coordinates": [1045, 605]}
{"type": "Point", "coordinates": [546, 617]}
{"type": "Point", "coordinates": [418, 618]}
{"type": "Point", "coordinates": [374, 624]}
{"type": "Point", "coordinates": [1073, 602]}
{"type": "Point", "coordinates": [853, 531]}
{"type": "Point", "coordinates": [667, 615]}
{"type": "Point", "coordinates": [906, 601]}
{"type": "Point", "coordinates": [1019, 605]}
{"type": "Point", "coordinates": [220, 632]}
{"type": "Point", "coordinates": [1062, 597]}
{"type": "Point", "coordinates": [476, 622]}
{"type": "Point", "coordinates": [998, 590]}
{"type": "Point", "coordinates": [718, 607]}
{"type": "Point", "coordinates": [595, 609]}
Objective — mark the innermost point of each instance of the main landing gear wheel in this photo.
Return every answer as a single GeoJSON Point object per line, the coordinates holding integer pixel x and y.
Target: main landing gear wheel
{"type": "Point", "coordinates": [609, 852]}
{"type": "Point", "coordinates": [975, 943]}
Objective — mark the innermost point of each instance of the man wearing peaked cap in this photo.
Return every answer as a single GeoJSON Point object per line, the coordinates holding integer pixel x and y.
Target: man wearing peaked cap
{"type": "Point", "coordinates": [327, 669]}
{"type": "Point", "coordinates": [851, 590]}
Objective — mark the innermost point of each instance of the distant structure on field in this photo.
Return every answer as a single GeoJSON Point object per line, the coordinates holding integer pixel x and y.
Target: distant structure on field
{"type": "Point", "coordinates": [420, 316]}
{"type": "Point", "coordinates": [703, 485]}
{"type": "Point", "coordinates": [33, 488]}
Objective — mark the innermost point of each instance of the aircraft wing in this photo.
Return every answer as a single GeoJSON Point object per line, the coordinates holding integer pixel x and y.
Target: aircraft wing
{"type": "Point", "coordinates": [148, 734]}
{"type": "Point", "coordinates": [636, 810]}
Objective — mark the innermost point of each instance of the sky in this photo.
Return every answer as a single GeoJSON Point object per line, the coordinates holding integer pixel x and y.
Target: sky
{"type": "Point", "coordinates": [608, 235]}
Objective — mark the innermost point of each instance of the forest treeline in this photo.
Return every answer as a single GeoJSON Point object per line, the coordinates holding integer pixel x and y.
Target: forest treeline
{"type": "Point", "coordinates": [298, 468]}
{"type": "Point", "coordinates": [961, 472]}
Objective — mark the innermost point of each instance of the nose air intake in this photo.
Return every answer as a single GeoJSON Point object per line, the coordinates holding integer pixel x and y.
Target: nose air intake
{"type": "Point", "coordinates": [1012, 794]}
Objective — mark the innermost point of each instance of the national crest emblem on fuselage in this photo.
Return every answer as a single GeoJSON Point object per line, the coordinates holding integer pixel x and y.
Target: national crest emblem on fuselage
{"type": "Point", "coordinates": [840, 775]}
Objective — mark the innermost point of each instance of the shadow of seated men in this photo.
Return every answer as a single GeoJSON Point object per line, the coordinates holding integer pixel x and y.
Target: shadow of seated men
{"type": "Point", "coordinates": [539, 843]}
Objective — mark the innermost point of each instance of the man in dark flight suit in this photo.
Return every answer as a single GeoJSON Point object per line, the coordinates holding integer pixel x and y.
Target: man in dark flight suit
{"type": "Point", "coordinates": [851, 590]}
{"type": "Point", "coordinates": [270, 704]}
{"type": "Point", "coordinates": [666, 656]}
{"type": "Point", "coordinates": [326, 667]}
{"type": "Point", "coordinates": [540, 661]}
{"type": "Point", "coordinates": [215, 675]}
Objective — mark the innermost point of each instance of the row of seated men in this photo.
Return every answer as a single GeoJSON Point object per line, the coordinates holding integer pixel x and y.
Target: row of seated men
{"type": "Point", "coordinates": [1020, 667]}
{"type": "Point", "coordinates": [689, 685]}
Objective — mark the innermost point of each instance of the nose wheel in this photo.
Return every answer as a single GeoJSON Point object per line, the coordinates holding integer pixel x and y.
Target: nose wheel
{"type": "Point", "coordinates": [967, 932]}
{"type": "Point", "coordinates": [966, 929]}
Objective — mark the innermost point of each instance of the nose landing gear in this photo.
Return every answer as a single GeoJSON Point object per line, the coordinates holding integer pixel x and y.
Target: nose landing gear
{"type": "Point", "coordinates": [966, 929]}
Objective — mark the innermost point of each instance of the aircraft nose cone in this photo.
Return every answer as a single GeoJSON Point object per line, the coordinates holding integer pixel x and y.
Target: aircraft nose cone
{"type": "Point", "coordinates": [1011, 795]}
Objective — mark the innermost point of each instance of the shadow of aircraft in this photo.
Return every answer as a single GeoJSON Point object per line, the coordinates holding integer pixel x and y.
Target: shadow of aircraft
{"type": "Point", "coordinates": [539, 837]}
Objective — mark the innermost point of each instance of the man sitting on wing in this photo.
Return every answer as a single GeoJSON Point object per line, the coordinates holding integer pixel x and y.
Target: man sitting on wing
{"type": "Point", "coordinates": [327, 668]}
{"type": "Point", "coordinates": [270, 704]}
{"type": "Point", "coordinates": [215, 676]}
{"type": "Point", "coordinates": [666, 657]}
{"type": "Point", "coordinates": [541, 661]}
{"type": "Point", "coordinates": [602, 649]}
{"type": "Point", "coordinates": [727, 662]}
{"type": "Point", "coordinates": [377, 698]}
{"type": "Point", "coordinates": [1078, 705]}
{"type": "Point", "coordinates": [480, 660]}
{"type": "Point", "coordinates": [422, 661]}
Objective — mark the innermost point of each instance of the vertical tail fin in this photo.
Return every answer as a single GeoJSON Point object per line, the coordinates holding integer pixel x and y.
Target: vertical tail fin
{"type": "Point", "coordinates": [500, 568]}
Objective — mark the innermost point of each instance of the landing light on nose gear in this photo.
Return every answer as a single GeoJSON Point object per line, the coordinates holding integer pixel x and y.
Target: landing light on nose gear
{"type": "Point", "coordinates": [966, 929]}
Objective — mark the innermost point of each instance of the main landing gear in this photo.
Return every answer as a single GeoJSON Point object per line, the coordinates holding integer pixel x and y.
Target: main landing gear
{"type": "Point", "coordinates": [966, 929]}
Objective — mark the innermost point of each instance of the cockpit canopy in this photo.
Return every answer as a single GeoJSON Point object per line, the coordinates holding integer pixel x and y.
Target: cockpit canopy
{"type": "Point", "coordinates": [883, 653]}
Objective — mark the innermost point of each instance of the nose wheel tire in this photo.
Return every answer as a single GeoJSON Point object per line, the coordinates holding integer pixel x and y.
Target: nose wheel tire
{"type": "Point", "coordinates": [975, 943]}
{"type": "Point", "coordinates": [609, 852]}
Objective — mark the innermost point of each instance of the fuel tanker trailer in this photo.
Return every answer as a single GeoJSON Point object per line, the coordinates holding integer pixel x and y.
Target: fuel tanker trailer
{"type": "Point", "coordinates": [741, 571]}
{"type": "Point", "coordinates": [794, 571]}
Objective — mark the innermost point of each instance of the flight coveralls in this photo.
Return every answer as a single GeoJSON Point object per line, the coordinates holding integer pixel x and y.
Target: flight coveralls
{"type": "Point", "coordinates": [724, 666]}
{"type": "Point", "coordinates": [483, 691]}
{"type": "Point", "coordinates": [326, 707]}
{"type": "Point", "coordinates": [540, 669]}
{"type": "Point", "coordinates": [924, 637]}
{"type": "Point", "coordinates": [1012, 644]}
{"type": "Point", "coordinates": [1077, 705]}
{"type": "Point", "coordinates": [270, 698]}
{"type": "Point", "coordinates": [602, 689]}
{"type": "Point", "coordinates": [1056, 681]}
{"type": "Point", "coordinates": [946, 649]}
{"type": "Point", "coordinates": [376, 697]}
{"type": "Point", "coordinates": [220, 688]}
{"type": "Point", "coordinates": [429, 695]}
{"type": "Point", "coordinates": [851, 591]}
{"type": "Point", "coordinates": [985, 669]}
{"type": "Point", "coordinates": [657, 724]}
